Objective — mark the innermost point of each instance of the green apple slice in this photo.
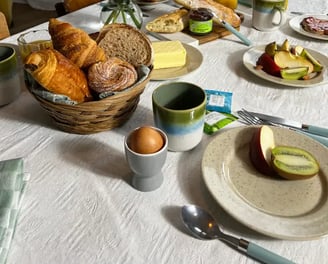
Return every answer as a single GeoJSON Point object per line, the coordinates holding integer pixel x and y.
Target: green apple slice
{"type": "Point", "coordinates": [285, 45]}
{"type": "Point", "coordinates": [293, 163]}
{"type": "Point", "coordinates": [271, 48]}
{"type": "Point", "coordinates": [295, 73]}
{"type": "Point", "coordinates": [317, 67]}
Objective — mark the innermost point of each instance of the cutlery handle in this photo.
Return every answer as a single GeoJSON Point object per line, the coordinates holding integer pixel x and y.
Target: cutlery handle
{"type": "Point", "coordinates": [321, 131]}
{"type": "Point", "coordinates": [265, 255]}
{"type": "Point", "coordinates": [236, 32]}
{"type": "Point", "coordinates": [322, 140]}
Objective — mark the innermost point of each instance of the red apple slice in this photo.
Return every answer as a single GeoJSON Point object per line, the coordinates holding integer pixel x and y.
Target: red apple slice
{"type": "Point", "coordinates": [261, 146]}
{"type": "Point", "coordinates": [268, 64]}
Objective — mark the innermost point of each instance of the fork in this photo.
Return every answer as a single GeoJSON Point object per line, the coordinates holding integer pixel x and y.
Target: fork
{"type": "Point", "coordinates": [251, 119]}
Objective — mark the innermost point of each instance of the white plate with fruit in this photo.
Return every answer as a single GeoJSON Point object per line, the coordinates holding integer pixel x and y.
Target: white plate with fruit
{"type": "Point", "coordinates": [269, 204]}
{"type": "Point", "coordinates": [287, 65]}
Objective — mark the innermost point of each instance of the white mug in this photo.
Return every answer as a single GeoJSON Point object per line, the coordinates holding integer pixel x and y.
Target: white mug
{"type": "Point", "coordinates": [269, 15]}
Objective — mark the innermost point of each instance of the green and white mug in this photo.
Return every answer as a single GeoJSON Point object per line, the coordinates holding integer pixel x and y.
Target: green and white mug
{"type": "Point", "coordinates": [10, 84]}
{"type": "Point", "coordinates": [179, 110]}
{"type": "Point", "coordinates": [269, 15]}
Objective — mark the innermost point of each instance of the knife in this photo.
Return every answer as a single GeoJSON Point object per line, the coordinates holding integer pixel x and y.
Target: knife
{"type": "Point", "coordinates": [315, 130]}
{"type": "Point", "coordinates": [157, 36]}
{"type": "Point", "coordinates": [232, 29]}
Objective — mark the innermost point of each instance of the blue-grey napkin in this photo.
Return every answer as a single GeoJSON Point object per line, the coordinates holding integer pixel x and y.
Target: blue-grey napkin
{"type": "Point", "coordinates": [12, 183]}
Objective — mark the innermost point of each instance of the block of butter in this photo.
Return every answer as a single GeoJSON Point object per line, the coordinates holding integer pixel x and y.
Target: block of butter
{"type": "Point", "coordinates": [169, 54]}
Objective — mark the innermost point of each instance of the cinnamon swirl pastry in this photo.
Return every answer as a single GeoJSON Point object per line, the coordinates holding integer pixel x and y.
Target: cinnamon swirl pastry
{"type": "Point", "coordinates": [111, 75]}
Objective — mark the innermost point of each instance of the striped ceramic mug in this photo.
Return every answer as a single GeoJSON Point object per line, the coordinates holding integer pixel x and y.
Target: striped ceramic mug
{"type": "Point", "coordinates": [269, 15]}
{"type": "Point", "coordinates": [179, 110]}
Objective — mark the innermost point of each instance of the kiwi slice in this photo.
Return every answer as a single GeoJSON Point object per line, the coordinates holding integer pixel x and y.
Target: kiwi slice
{"type": "Point", "coordinates": [293, 163]}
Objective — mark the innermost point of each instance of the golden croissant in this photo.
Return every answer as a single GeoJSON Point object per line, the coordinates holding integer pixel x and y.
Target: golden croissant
{"type": "Point", "coordinates": [113, 74]}
{"type": "Point", "coordinates": [75, 44]}
{"type": "Point", "coordinates": [58, 74]}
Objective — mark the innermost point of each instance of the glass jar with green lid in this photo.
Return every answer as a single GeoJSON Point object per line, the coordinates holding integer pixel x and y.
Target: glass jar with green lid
{"type": "Point", "coordinates": [200, 21]}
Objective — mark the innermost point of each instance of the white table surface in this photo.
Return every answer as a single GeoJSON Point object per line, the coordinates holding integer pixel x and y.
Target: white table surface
{"type": "Point", "coordinates": [79, 206]}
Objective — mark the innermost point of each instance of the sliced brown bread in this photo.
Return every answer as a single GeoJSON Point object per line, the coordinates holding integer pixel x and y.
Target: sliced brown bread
{"type": "Point", "coordinates": [127, 43]}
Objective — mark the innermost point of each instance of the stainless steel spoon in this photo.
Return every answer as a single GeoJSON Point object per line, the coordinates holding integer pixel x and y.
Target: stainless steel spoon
{"type": "Point", "coordinates": [203, 226]}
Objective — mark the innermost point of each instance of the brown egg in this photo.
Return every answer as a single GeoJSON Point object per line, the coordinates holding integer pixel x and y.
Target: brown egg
{"type": "Point", "coordinates": [145, 140]}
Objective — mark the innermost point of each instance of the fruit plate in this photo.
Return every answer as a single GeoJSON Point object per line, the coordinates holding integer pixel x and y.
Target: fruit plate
{"type": "Point", "coordinates": [193, 61]}
{"type": "Point", "coordinates": [251, 56]}
{"type": "Point", "coordinates": [285, 209]}
{"type": "Point", "coordinates": [295, 24]}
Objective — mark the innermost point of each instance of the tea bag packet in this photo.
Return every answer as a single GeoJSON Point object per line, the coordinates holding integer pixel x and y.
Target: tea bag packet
{"type": "Point", "coordinates": [218, 101]}
{"type": "Point", "coordinates": [218, 111]}
{"type": "Point", "coordinates": [12, 184]}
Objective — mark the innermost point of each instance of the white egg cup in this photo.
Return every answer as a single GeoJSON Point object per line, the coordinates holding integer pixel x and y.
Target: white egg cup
{"type": "Point", "coordinates": [147, 168]}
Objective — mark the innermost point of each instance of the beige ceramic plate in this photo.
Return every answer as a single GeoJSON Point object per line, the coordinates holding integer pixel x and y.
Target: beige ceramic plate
{"type": "Point", "coordinates": [295, 210]}
{"type": "Point", "coordinates": [194, 60]}
{"type": "Point", "coordinates": [251, 56]}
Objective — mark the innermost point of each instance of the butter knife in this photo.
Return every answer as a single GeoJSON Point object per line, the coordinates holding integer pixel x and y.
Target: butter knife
{"type": "Point", "coordinates": [232, 29]}
{"type": "Point", "coordinates": [315, 130]}
{"type": "Point", "coordinates": [157, 36]}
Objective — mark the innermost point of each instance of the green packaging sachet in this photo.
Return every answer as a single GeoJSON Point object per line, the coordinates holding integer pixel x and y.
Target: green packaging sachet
{"type": "Point", "coordinates": [218, 111]}
{"type": "Point", "coordinates": [215, 121]}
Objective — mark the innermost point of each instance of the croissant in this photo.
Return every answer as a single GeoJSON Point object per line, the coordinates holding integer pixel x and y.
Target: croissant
{"type": "Point", "coordinates": [74, 43]}
{"type": "Point", "coordinates": [113, 74]}
{"type": "Point", "coordinates": [58, 74]}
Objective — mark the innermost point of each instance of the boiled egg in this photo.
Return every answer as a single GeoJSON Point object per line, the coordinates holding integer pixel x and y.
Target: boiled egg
{"type": "Point", "coordinates": [145, 140]}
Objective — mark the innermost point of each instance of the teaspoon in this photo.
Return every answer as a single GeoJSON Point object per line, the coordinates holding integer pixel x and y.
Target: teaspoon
{"type": "Point", "coordinates": [203, 226]}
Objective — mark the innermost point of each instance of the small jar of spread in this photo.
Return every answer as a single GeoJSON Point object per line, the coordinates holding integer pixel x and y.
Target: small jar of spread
{"type": "Point", "coordinates": [200, 21]}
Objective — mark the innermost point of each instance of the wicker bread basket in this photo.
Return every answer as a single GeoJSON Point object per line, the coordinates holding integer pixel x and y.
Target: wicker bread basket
{"type": "Point", "coordinates": [94, 116]}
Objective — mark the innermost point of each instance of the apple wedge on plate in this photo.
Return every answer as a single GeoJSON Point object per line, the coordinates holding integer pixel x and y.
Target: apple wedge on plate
{"type": "Point", "coordinates": [260, 150]}
{"type": "Point", "coordinates": [288, 162]}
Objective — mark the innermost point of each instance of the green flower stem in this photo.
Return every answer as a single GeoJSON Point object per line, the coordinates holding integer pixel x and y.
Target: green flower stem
{"type": "Point", "coordinates": [111, 16]}
{"type": "Point", "coordinates": [117, 13]}
{"type": "Point", "coordinates": [135, 20]}
{"type": "Point", "coordinates": [123, 16]}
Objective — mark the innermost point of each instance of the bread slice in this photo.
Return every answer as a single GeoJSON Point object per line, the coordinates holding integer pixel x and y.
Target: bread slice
{"type": "Point", "coordinates": [223, 12]}
{"type": "Point", "coordinates": [175, 21]}
{"type": "Point", "coordinates": [127, 43]}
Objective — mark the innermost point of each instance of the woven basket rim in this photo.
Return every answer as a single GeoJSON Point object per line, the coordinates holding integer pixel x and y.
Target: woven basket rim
{"type": "Point", "coordinates": [136, 89]}
{"type": "Point", "coordinates": [93, 116]}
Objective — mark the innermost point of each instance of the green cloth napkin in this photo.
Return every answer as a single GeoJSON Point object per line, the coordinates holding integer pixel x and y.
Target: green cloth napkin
{"type": "Point", "coordinates": [12, 183]}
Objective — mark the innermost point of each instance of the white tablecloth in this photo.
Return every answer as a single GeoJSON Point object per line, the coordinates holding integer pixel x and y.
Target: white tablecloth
{"type": "Point", "coordinates": [79, 206]}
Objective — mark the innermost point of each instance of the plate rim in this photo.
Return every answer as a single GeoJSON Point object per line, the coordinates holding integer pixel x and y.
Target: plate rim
{"type": "Point", "coordinates": [251, 223]}
{"type": "Point", "coordinates": [188, 48]}
{"type": "Point", "coordinates": [278, 80]}
{"type": "Point", "coordinates": [294, 23]}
